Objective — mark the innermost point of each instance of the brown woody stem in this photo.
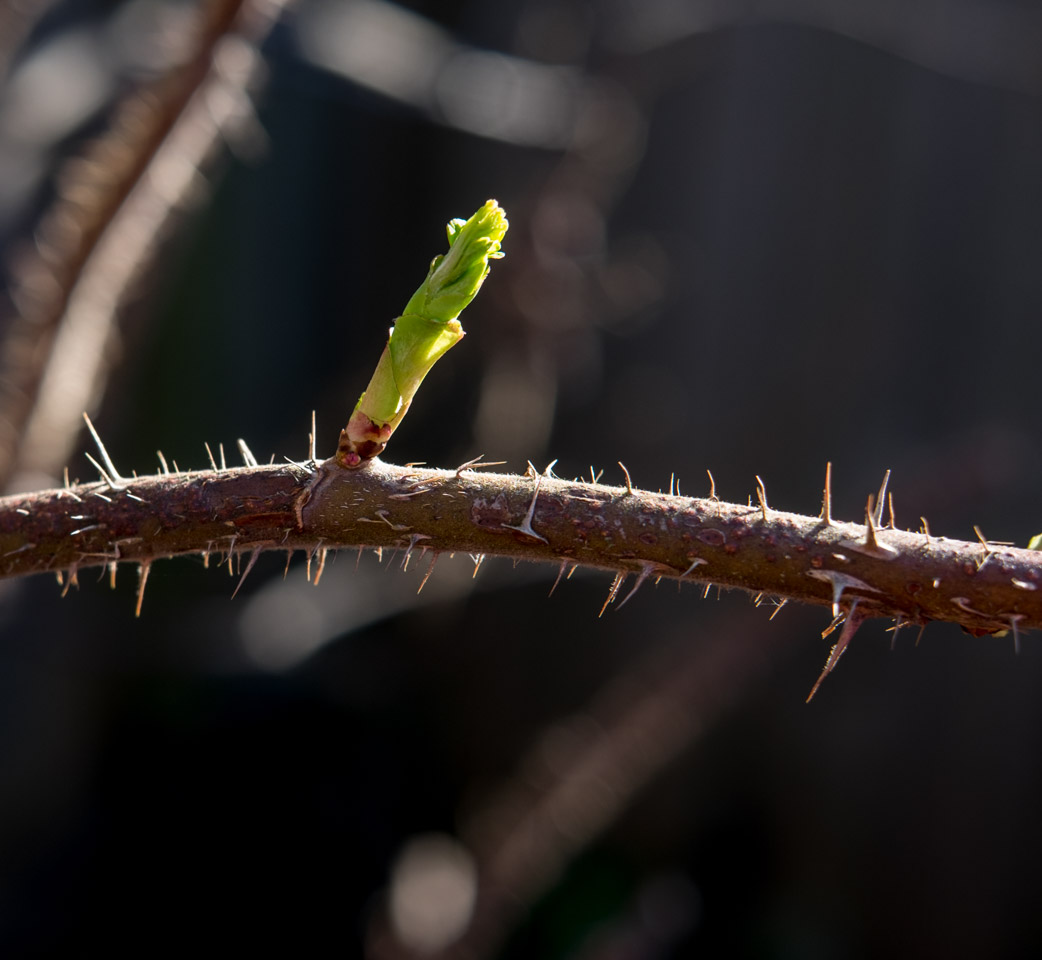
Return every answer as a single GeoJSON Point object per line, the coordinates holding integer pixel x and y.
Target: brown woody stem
{"type": "Point", "coordinates": [913, 577]}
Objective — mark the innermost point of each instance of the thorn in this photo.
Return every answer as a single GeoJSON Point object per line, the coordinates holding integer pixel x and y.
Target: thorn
{"type": "Point", "coordinates": [594, 477]}
{"type": "Point", "coordinates": [143, 570]}
{"type": "Point", "coordinates": [163, 464]}
{"type": "Point", "coordinates": [383, 515]}
{"type": "Point", "coordinates": [224, 463]}
{"type": "Point", "coordinates": [321, 565]}
{"type": "Point", "coordinates": [705, 593]}
{"type": "Point", "coordinates": [112, 477]}
{"type": "Point", "coordinates": [71, 580]}
{"type": "Point", "coordinates": [761, 495]}
{"type": "Point", "coordinates": [870, 521]}
{"type": "Point", "coordinates": [108, 480]}
{"type": "Point", "coordinates": [477, 464]}
{"type": "Point", "coordinates": [177, 469]}
{"type": "Point", "coordinates": [560, 570]}
{"type": "Point", "coordinates": [549, 471]}
{"type": "Point", "coordinates": [826, 500]}
{"type": "Point", "coordinates": [413, 540]}
{"type": "Point", "coordinates": [919, 636]}
{"type": "Point", "coordinates": [777, 607]}
{"type": "Point", "coordinates": [890, 508]}
{"type": "Point", "coordinates": [1024, 585]}
{"type": "Point", "coordinates": [963, 603]}
{"type": "Point", "coordinates": [926, 528]}
{"type": "Point", "coordinates": [430, 569]}
{"type": "Point", "coordinates": [626, 474]}
{"type": "Point", "coordinates": [872, 545]}
{"type": "Point", "coordinates": [877, 515]}
{"type": "Point", "coordinates": [574, 567]}
{"type": "Point", "coordinates": [840, 582]}
{"type": "Point", "coordinates": [671, 479]}
{"type": "Point", "coordinates": [836, 621]}
{"type": "Point", "coordinates": [112, 575]}
{"type": "Point", "coordinates": [246, 453]}
{"type": "Point", "coordinates": [850, 626]}
{"type": "Point", "coordinates": [209, 453]}
{"type": "Point", "coordinates": [246, 572]}
{"type": "Point", "coordinates": [989, 548]}
{"type": "Point", "coordinates": [697, 562]}
{"type": "Point", "coordinates": [526, 524]}
{"type": "Point", "coordinates": [289, 556]}
{"type": "Point", "coordinates": [65, 475]}
{"type": "Point", "coordinates": [757, 600]}
{"type": "Point", "coordinates": [645, 570]}
{"type": "Point", "coordinates": [712, 486]}
{"type": "Point", "coordinates": [1014, 623]}
{"type": "Point", "coordinates": [311, 440]}
{"type": "Point", "coordinates": [616, 583]}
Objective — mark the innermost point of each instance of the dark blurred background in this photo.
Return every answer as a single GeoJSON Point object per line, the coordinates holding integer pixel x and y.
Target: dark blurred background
{"type": "Point", "coordinates": [749, 237]}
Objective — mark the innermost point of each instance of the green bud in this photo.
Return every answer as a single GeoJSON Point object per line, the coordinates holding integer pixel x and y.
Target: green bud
{"type": "Point", "coordinates": [424, 332]}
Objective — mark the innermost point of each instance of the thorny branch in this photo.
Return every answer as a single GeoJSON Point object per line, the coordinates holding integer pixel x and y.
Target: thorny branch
{"type": "Point", "coordinates": [881, 571]}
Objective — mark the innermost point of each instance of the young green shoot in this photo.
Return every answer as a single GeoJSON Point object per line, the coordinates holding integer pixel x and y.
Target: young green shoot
{"type": "Point", "coordinates": [426, 330]}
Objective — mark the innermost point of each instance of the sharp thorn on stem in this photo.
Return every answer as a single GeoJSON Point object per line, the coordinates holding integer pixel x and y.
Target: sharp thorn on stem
{"type": "Point", "coordinates": [413, 540]}
{"type": "Point", "coordinates": [870, 524]}
{"type": "Point", "coordinates": [111, 474]}
{"type": "Point", "coordinates": [645, 572]}
{"type": "Point", "coordinates": [826, 500]}
{"type": "Point", "coordinates": [430, 569]}
{"type": "Point", "coordinates": [626, 474]}
{"type": "Point", "coordinates": [142, 580]}
{"type": "Point", "coordinates": [778, 604]}
{"type": "Point", "coordinates": [224, 463]}
{"type": "Point", "coordinates": [526, 524]}
{"type": "Point", "coordinates": [162, 463]}
{"type": "Point", "coordinates": [840, 582]}
{"type": "Point", "coordinates": [712, 486]}
{"type": "Point", "coordinates": [850, 627]}
{"type": "Point", "coordinates": [311, 441]}
{"type": "Point", "coordinates": [321, 565]}
{"type": "Point", "coordinates": [613, 591]}
{"type": "Point", "coordinates": [697, 562]}
{"type": "Point", "coordinates": [249, 566]}
{"type": "Point", "coordinates": [877, 515]}
{"type": "Point", "coordinates": [557, 579]}
{"type": "Point", "coordinates": [209, 453]}
{"type": "Point", "coordinates": [1014, 623]}
{"type": "Point", "coordinates": [246, 453]}
{"type": "Point", "coordinates": [761, 495]}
